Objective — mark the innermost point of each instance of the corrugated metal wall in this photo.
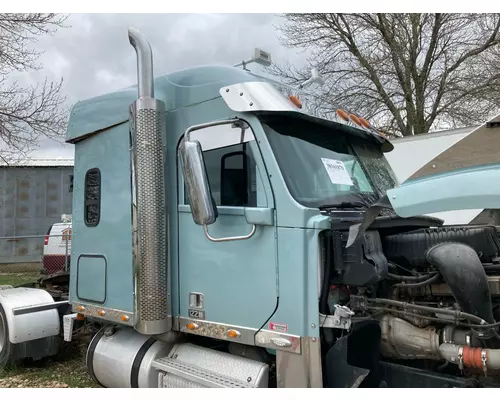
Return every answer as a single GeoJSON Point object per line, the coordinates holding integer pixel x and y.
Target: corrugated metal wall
{"type": "Point", "coordinates": [31, 200]}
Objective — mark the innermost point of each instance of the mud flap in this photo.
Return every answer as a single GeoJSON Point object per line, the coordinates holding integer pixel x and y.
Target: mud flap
{"type": "Point", "coordinates": [353, 361]}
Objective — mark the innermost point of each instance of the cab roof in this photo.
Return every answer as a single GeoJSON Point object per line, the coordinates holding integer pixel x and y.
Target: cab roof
{"type": "Point", "coordinates": [176, 90]}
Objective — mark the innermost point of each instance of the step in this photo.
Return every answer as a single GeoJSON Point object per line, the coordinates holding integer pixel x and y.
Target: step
{"type": "Point", "coordinates": [198, 366]}
{"type": "Point", "coordinates": [197, 375]}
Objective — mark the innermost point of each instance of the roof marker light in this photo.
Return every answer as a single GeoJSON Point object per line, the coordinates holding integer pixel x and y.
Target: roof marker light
{"type": "Point", "coordinates": [364, 122]}
{"type": "Point", "coordinates": [355, 119]}
{"type": "Point", "coordinates": [295, 100]}
{"type": "Point", "coordinates": [342, 114]}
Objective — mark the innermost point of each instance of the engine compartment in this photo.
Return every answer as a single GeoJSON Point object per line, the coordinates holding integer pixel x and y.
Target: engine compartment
{"type": "Point", "coordinates": [420, 306]}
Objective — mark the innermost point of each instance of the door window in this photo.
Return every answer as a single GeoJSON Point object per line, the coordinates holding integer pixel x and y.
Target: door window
{"type": "Point", "coordinates": [228, 152]}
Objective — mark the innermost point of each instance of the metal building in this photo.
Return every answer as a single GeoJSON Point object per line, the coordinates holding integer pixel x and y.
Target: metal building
{"type": "Point", "coordinates": [33, 196]}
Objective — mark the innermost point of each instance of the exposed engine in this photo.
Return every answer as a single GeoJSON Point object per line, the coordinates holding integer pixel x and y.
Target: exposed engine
{"type": "Point", "coordinates": [419, 304]}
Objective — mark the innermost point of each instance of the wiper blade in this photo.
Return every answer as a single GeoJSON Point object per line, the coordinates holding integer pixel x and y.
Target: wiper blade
{"type": "Point", "coordinates": [345, 204]}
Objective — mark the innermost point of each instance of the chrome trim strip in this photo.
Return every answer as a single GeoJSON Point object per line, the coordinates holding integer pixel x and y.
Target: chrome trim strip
{"type": "Point", "coordinates": [249, 336]}
{"type": "Point", "coordinates": [111, 314]}
{"type": "Point", "coordinates": [218, 331]}
{"type": "Point", "coordinates": [278, 341]}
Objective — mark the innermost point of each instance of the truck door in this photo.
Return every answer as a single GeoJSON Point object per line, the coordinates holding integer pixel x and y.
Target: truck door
{"type": "Point", "coordinates": [231, 282]}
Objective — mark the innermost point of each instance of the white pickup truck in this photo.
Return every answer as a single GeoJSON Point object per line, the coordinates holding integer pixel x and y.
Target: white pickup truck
{"type": "Point", "coordinates": [57, 247]}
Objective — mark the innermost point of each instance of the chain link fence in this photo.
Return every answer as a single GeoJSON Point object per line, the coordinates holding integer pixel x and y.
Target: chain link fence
{"type": "Point", "coordinates": [25, 259]}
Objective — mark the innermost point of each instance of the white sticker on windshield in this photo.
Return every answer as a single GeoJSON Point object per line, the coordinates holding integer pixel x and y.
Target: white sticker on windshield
{"type": "Point", "coordinates": [337, 172]}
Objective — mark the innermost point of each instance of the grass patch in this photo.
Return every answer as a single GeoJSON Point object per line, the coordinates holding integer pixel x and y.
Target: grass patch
{"type": "Point", "coordinates": [18, 279]}
{"type": "Point", "coordinates": [14, 268]}
{"type": "Point", "coordinates": [66, 369]}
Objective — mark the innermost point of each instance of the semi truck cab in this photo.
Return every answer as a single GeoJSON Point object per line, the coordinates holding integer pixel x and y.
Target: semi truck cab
{"type": "Point", "coordinates": [236, 259]}
{"type": "Point", "coordinates": [216, 224]}
{"type": "Point", "coordinates": [223, 237]}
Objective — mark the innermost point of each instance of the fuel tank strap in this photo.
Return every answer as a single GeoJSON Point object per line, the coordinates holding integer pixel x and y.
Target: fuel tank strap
{"type": "Point", "coordinates": [136, 365]}
{"type": "Point", "coordinates": [90, 356]}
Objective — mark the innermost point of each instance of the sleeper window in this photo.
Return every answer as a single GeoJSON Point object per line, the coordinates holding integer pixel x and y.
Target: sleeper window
{"type": "Point", "coordinates": [92, 200]}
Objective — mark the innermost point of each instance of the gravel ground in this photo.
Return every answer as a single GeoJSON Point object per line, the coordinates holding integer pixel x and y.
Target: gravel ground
{"type": "Point", "coordinates": [66, 370]}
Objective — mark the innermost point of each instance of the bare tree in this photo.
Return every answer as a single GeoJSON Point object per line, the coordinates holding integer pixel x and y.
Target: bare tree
{"type": "Point", "coordinates": [27, 113]}
{"type": "Point", "coordinates": [407, 73]}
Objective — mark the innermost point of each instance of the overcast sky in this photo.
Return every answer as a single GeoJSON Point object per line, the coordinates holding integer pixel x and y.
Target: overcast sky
{"type": "Point", "coordinates": [94, 56]}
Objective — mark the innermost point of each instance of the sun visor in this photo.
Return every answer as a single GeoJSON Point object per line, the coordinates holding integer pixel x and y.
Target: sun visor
{"type": "Point", "coordinates": [480, 147]}
{"type": "Point", "coordinates": [265, 98]}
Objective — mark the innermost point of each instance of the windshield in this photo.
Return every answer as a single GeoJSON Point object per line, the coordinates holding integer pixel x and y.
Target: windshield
{"type": "Point", "coordinates": [327, 167]}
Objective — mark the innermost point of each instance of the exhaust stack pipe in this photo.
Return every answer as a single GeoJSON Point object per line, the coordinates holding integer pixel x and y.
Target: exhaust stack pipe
{"type": "Point", "coordinates": [144, 63]}
{"type": "Point", "coordinates": [147, 132]}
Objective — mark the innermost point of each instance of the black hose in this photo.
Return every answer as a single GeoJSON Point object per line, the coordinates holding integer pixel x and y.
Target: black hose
{"type": "Point", "coordinates": [410, 277]}
{"type": "Point", "coordinates": [432, 279]}
{"type": "Point", "coordinates": [442, 367]}
{"type": "Point", "coordinates": [409, 314]}
{"type": "Point", "coordinates": [491, 267]}
{"type": "Point", "coordinates": [464, 273]}
{"type": "Point", "coordinates": [396, 266]}
{"type": "Point", "coordinates": [401, 304]}
{"type": "Point", "coordinates": [443, 321]}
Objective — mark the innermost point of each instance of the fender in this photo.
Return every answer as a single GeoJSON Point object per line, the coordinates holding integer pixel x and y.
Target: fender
{"type": "Point", "coordinates": [30, 326]}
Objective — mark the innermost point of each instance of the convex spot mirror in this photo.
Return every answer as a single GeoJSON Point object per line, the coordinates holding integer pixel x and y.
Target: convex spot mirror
{"type": "Point", "coordinates": [199, 138]}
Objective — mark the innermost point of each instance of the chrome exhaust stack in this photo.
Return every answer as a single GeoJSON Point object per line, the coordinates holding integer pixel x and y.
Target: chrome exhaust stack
{"type": "Point", "coordinates": [147, 132]}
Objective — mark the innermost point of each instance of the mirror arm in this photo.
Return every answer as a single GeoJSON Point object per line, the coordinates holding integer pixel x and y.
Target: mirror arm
{"type": "Point", "coordinates": [231, 238]}
{"type": "Point", "coordinates": [209, 125]}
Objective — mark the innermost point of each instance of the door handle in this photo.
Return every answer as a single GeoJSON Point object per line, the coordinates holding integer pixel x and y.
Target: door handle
{"type": "Point", "coordinates": [229, 238]}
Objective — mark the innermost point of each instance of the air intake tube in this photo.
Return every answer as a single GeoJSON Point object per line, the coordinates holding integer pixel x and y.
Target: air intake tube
{"type": "Point", "coordinates": [147, 133]}
{"type": "Point", "coordinates": [464, 273]}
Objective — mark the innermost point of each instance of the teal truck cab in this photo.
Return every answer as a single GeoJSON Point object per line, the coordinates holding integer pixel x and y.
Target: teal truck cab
{"type": "Point", "coordinates": [222, 237]}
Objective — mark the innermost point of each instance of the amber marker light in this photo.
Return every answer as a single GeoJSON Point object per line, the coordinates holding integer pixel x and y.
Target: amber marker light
{"type": "Point", "coordinates": [355, 119]}
{"type": "Point", "coordinates": [342, 114]}
{"type": "Point", "coordinates": [232, 333]}
{"type": "Point", "coordinates": [192, 326]}
{"type": "Point", "coordinates": [295, 100]}
{"type": "Point", "coordinates": [364, 122]}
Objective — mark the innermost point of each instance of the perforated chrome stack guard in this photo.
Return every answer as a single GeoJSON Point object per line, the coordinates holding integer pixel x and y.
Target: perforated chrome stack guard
{"type": "Point", "coordinates": [147, 130]}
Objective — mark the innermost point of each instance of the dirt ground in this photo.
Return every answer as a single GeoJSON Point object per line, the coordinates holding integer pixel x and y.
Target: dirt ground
{"type": "Point", "coordinates": [66, 370]}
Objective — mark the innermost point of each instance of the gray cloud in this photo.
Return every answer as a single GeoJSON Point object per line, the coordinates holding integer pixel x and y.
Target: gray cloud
{"type": "Point", "coordinates": [94, 56]}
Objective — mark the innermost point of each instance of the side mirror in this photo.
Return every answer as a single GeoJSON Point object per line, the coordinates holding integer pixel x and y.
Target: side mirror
{"type": "Point", "coordinates": [197, 185]}
{"type": "Point", "coordinates": [200, 197]}
{"type": "Point", "coordinates": [203, 207]}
